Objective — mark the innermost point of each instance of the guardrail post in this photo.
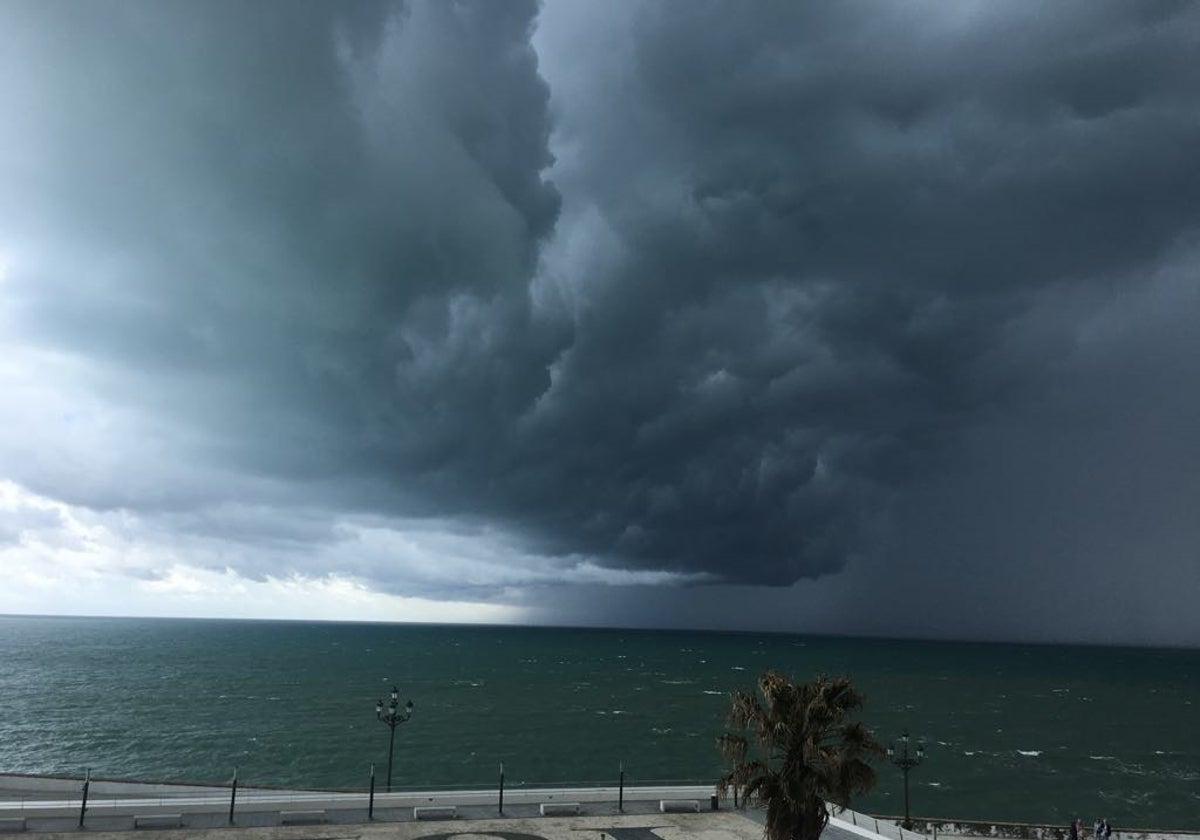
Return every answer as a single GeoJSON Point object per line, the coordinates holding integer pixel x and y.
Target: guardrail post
{"type": "Point", "coordinates": [233, 794]}
{"type": "Point", "coordinates": [501, 788]}
{"type": "Point", "coordinates": [621, 790]}
{"type": "Point", "coordinates": [87, 780]}
{"type": "Point", "coordinates": [371, 796]}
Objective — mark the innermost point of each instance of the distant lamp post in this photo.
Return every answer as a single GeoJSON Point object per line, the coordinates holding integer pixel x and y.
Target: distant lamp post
{"type": "Point", "coordinates": [905, 762]}
{"type": "Point", "coordinates": [393, 716]}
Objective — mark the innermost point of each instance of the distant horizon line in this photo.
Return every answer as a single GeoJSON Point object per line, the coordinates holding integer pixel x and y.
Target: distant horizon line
{"type": "Point", "coordinates": [615, 628]}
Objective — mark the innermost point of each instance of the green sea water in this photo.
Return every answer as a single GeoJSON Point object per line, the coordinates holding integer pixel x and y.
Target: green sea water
{"type": "Point", "coordinates": [1020, 732]}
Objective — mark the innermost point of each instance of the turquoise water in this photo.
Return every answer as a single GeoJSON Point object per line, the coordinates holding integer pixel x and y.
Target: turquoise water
{"type": "Point", "coordinates": [1037, 733]}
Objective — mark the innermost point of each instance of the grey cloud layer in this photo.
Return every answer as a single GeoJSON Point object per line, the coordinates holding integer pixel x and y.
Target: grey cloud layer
{"type": "Point", "coordinates": [786, 265]}
{"type": "Point", "coordinates": [833, 225]}
{"type": "Point", "coordinates": [249, 220]}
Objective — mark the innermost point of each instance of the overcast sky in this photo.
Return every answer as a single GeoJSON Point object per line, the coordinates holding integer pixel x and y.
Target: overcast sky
{"type": "Point", "coordinates": [858, 317]}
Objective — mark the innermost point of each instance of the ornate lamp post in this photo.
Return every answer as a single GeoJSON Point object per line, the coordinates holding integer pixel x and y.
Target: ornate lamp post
{"type": "Point", "coordinates": [906, 763]}
{"type": "Point", "coordinates": [393, 716]}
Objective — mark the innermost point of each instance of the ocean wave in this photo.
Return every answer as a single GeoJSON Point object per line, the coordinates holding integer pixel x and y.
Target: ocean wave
{"type": "Point", "coordinates": [710, 691]}
{"type": "Point", "coordinates": [1033, 753]}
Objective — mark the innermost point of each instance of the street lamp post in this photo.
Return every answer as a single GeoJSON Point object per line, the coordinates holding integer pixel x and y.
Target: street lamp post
{"type": "Point", "coordinates": [906, 762]}
{"type": "Point", "coordinates": [393, 716]}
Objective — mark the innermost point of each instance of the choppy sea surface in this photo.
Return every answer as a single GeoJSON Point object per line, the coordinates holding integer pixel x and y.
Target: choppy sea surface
{"type": "Point", "coordinates": [1019, 732]}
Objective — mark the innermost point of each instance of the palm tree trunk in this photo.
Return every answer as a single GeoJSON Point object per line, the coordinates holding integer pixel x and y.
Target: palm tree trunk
{"type": "Point", "coordinates": [813, 819]}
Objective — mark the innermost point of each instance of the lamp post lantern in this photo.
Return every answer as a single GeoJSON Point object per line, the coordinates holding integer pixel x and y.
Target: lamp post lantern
{"type": "Point", "coordinates": [906, 762]}
{"type": "Point", "coordinates": [392, 715]}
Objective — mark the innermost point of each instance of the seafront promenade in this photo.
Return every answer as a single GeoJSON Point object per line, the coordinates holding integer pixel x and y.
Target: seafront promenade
{"type": "Point", "coordinates": [721, 825]}
{"type": "Point", "coordinates": [52, 806]}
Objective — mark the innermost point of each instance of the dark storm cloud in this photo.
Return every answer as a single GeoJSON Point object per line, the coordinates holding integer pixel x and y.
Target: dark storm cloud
{"type": "Point", "coordinates": [832, 222]}
{"type": "Point", "coordinates": [788, 263]}
{"type": "Point", "coordinates": [258, 221]}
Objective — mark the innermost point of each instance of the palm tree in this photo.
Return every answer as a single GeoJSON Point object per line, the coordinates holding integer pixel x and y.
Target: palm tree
{"type": "Point", "coordinates": [804, 752]}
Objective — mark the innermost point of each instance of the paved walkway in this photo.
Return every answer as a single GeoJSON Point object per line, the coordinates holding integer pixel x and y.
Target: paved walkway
{"type": "Point", "coordinates": [720, 825]}
{"type": "Point", "coordinates": [51, 808]}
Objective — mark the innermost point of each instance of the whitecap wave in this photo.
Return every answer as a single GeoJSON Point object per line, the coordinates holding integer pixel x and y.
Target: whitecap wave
{"type": "Point", "coordinates": [1030, 752]}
